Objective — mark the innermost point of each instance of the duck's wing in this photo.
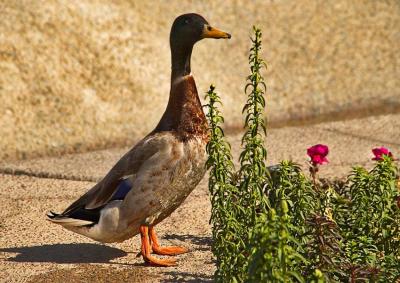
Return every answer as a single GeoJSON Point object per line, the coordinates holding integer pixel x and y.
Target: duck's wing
{"type": "Point", "coordinates": [128, 165]}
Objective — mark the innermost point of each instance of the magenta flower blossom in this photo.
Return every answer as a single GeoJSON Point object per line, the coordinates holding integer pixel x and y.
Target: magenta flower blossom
{"type": "Point", "coordinates": [318, 154]}
{"type": "Point", "coordinates": [379, 152]}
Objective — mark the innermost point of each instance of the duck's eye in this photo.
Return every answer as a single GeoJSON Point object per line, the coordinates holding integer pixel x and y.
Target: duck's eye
{"type": "Point", "coordinates": [186, 21]}
{"type": "Point", "coordinates": [209, 28]}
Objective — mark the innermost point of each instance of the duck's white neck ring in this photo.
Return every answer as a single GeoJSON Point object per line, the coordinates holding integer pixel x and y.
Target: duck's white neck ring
{"type": "Point", "coordinates": [178, 80]}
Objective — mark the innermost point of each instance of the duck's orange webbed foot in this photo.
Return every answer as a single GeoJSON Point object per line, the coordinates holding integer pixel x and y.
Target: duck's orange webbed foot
{"type": "Point", "coordinates": [157, 249]}
{"type": "Point", "coordinates": [145, 250]}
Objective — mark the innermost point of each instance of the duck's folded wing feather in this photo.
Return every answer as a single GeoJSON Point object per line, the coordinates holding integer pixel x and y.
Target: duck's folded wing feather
{"type": "Point", "coordinates": [128, 165]}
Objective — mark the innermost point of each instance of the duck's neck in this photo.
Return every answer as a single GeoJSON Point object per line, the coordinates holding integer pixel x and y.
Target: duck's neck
{"type": "Point", "coordinates": [184, 114]}
{"type": "Point", "coordinates": [180, 57]}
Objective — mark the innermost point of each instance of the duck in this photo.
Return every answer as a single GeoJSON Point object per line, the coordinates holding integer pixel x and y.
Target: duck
{"type": "Point", "coordinates": [157, 174]}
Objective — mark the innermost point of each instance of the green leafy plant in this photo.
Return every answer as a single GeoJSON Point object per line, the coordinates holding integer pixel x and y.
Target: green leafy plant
{"type": "Point", "coordinates": [238, 198]}
{"type": "Point", "coordinates": [275, 224]}
{"type": "Point", "coordinates": [370, 225]}
{"type": "Point", "coordinates": [228, 244]}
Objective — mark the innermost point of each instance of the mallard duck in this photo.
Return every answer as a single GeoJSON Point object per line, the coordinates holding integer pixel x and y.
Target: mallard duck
{"type": "Point", "coordinates": [153, 178]}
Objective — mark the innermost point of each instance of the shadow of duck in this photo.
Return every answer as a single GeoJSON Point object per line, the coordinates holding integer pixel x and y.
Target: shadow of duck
{"type": "Point", "coordinates": [194, 239]}
{"type": "Point", "coordinates": [203, 243]}
{"type": "Point", "coordinates": [186, 277]}
{"type": "Point", "coordinates": [64, 253]}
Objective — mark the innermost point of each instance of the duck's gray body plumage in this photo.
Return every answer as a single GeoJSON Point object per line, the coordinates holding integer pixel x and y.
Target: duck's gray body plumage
{"type": "Point", "coordinates": [160, 185]}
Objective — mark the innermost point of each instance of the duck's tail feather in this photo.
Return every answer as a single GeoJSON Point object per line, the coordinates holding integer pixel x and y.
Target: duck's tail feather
{"type": "Point", "coordinates": [67, 221]}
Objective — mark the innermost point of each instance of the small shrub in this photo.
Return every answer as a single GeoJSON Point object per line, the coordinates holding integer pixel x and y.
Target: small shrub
{"type": "Point", "coordinates": [227, 227]}
{"type": "Point", "coordinates": [238, 198]}
{"type": "Point", "coordinates": [274, 224]}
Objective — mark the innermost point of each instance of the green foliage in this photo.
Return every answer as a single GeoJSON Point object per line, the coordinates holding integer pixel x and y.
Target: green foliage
{"type": "Point", "coordinates": [274, 257]}
{"type": "Point", "coordinates": [274, 224]}
{"type": "Point", "coordinates": [253, 171]}
{"type": "Point", "coordinates": [227, 242]}
{"type": "Point", "coordinates": [238, 198]}
{"type": "Point", "coordinates": [370, 225]}
{"type": "Point", "coordinates": [252, 159]}
{"type": "Point", "coordinates": [374, 210]}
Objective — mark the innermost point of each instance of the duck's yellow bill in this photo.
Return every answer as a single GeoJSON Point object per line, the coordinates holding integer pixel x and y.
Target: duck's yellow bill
{"type": "Point", "coordinates": [210, 32]}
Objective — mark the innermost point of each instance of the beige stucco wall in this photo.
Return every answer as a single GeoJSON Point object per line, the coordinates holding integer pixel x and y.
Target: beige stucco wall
{"type": "Point", "coordinates": [78, 75]}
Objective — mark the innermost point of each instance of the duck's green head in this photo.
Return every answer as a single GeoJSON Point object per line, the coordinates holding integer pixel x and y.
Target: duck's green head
{"type": "Point", "coordinates": [187, 29]}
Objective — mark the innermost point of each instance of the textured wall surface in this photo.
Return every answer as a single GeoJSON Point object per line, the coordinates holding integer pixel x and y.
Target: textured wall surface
{"type": "Point", "coordinates": [77, 75]}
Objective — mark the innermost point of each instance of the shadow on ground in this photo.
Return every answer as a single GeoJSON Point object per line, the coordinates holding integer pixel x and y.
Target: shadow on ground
{"type": "Point", "coordinates": [196, 240]}
{"type": "Point", "coordinates": [65, 253]}
{"type": "Point", "coordinates": [187, 277]}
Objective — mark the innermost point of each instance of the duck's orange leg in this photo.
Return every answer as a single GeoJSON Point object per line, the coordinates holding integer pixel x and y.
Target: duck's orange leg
{"type": "Point", "coordinates": [157, 249]}
{"type": "Point", "coordinates": [145, 250]}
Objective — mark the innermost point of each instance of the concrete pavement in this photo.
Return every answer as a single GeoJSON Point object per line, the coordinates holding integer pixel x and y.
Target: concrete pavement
{"type": "Point", "coordinates": [32, 249]}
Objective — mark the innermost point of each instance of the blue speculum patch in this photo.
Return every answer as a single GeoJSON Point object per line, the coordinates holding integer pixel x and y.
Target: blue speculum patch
{"type": "Point", "coordinates": [123, 188]}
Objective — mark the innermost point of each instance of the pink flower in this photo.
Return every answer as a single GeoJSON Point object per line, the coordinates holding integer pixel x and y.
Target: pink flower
{"type": "Point", "coordinates": [318, 154]}
{"type": "Point", "coordinates": [379, 152]}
